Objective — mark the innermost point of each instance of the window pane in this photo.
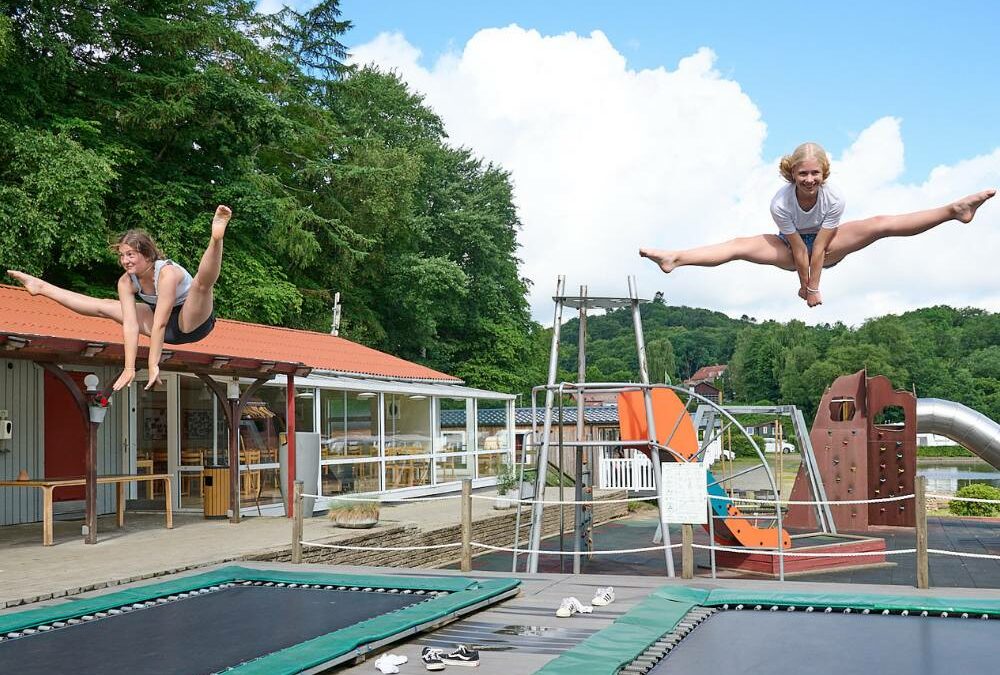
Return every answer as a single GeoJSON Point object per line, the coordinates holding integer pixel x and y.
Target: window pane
{"type": "Point", "coordinates": [349, 424]}
{"type": "Point", "coordinates": [491, 429]}
{"type": "Point", "coordinates": [453, 468]}
{"type": "Point", "coordinates": [489, 465]}
{"type": "Point", "coordinates": [407, 473]}
{"type": "Point", "coordinates": [341, 479]}
{"type": "Point", "coordinates": [407, 425]}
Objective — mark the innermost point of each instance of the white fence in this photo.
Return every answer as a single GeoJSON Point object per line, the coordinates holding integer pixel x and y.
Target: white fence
{"type": "Point", "coordinates": [630, 473]}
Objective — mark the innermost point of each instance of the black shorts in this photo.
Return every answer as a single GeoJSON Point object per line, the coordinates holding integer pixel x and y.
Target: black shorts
{"type": "Point", "coordinates": [175, 336]}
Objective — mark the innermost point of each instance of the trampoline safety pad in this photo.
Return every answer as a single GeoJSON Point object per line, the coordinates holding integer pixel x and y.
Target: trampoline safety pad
{"type": "Point", "coordinates": [237, 620]}
{"type": "Point", "coordinates": [700, 632]}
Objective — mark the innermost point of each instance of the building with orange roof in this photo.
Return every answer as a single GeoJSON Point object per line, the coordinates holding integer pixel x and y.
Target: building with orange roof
{"type": "Point", "coordinates": [372, 421]}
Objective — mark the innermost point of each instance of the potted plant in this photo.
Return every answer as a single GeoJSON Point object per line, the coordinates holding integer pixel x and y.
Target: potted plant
{"type": "Point", "coordinates": [505, 483]}
{"type": "Point", "coordinates": [354, 515]}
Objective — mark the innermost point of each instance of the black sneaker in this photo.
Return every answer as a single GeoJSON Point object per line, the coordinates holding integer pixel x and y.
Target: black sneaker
{"type": "Point", "coordinates": [431, 657]}
{"type": "Point", "coordinates": [463, 656]}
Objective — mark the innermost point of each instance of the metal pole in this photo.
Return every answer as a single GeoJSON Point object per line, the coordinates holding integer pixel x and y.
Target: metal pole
{"type": "Point", "coordinates": [687, 551]}
{"type": "Point", "coordinates": [290, 452]}
{"type": "Point", "coordinates": [711, 533]}
{"type": "Point", "coordinates": [580, 520]}
{"type": "Point", "coordinates": [466, 524]}
{"type": "Point", "coordinates": [923, 564]}
{"type": "Point", "coordinates": [234, 460]}
{"type": "Point", "coordinates": [297, 524]}
{"type": "Point", "coordinates": [560, 450]}
{"type": "Point", "coordinates": [537, 509]}
{"type": "Point", "coordinates": [650, 422]}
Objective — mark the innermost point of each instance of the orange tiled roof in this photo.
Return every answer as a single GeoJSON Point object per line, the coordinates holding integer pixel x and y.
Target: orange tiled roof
{"type": "Point", "coordinates": [23, 314]}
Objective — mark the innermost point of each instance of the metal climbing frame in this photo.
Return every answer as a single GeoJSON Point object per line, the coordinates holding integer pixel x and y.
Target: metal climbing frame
{"type": "Point", "coordinates": [584, 449]}
{"type": "Point", "coordinates": [706, 415]}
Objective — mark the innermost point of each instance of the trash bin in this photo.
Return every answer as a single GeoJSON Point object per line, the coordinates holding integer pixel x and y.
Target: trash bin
{"type": "Point", "coordinates": [215, 491]}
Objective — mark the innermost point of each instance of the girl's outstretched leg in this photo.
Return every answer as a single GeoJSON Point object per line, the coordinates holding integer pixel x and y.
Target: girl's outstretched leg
{"type": "Point", "coordinates": [79, 303]}
{"type": "Point", "coordinates": [200, 301]}
{"type": "Point", "coordinates": [857, 234]}
{"type": "Point", "coordinates": [763, 249]}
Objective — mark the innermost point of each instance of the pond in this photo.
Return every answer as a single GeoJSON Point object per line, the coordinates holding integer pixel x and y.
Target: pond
{"type": "Point", "coordinates": [946, 475]}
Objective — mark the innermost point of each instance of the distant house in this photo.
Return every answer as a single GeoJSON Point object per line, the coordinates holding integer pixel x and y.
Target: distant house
{"type": "Point", "coordinates": [702, 382]}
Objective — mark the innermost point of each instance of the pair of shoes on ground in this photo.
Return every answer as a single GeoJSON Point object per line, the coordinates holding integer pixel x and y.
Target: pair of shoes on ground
{"type": "Point", "coordinates": [390, 663]}
{"type": "Point", "coordinates": [437, 659]}
{"type": "Point", "coordinates": [570, 606]}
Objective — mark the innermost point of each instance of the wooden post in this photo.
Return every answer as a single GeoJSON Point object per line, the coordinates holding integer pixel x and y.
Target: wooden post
{"type": "Point", "coordinates": [297, 523]}
{"type": "Point", "coordinates": [923, 566]}
{"type": "Point", "coordinates": [290, 443]}
{"type": "Point", "coordinates": [467, 525]}
{"type": "Point", "coordinates": [234, 460]}
{"type": "Point", "coordinates": [687, 551]}
{"type": "Point", "coordinates": [91, 489]}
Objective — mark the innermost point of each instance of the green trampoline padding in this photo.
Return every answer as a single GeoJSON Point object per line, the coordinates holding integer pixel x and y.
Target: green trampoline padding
{"type": "Point", "coordinates": [608, 650]}
{"type": "Point", "coordinates": [462, 592]}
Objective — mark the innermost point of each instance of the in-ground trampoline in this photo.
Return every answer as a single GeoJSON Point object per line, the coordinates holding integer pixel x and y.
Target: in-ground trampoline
{"type": "Point", "coordinates": [700, 632]}
{"type": "Point", "coordinates": [237, 620]}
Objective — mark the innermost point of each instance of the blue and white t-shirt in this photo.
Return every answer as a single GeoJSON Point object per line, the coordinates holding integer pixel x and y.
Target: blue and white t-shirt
{"type": "Point", "coordinates": [790, 218]}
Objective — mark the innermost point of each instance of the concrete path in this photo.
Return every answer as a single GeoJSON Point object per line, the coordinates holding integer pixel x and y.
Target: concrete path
{"type": "Point", "coordinates": [144, 548]}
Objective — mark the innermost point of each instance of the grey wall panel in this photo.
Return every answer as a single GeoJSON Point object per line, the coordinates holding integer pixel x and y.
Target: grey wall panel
{"type": "Point", "coordinates": [21, 397]}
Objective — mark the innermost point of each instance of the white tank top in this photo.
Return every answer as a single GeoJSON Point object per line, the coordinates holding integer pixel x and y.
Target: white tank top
{"type": "Point", "coordinates": [182, 288]}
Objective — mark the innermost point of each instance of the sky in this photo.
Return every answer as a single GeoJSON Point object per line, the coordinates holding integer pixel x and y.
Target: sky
{"type": "Point", "coordinates": [662, 123]}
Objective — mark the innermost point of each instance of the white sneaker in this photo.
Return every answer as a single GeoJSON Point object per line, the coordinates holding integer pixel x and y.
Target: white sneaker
{"type": "Point", "coordinates": [570, 606]}
{"type": "Point", "coordinates": [386, 664]}
{"type": "Point", "coordinates": [603, 597]}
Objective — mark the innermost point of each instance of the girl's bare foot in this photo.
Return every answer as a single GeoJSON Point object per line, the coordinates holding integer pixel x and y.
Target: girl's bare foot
{"type": "Point", "coordinates": [965, 208]}
{"type": "Point", "coordinates": [667, 260]}
{"type": "Point", "coordinates": [32, 284]}
{"type": "Point", "coordinates": [803, 293]}
{"type": "Point", "coordinates": [814, 298]}
{"type": "Point", "coordinates": [220, 221]}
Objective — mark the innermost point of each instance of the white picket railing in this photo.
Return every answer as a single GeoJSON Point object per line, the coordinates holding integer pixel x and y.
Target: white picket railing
{"type": "Point", "coordinates": [631, 473]}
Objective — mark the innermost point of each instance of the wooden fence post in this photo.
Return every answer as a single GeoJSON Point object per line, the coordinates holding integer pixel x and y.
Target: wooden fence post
{"type": "Point", "coordinates": [923, 564]}
{"type": "Point", "coordinates": [297, 523]}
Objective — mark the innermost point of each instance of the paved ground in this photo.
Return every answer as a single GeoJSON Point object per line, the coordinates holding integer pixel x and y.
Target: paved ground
{"type": "Point", "coordinates": [145, 547]}
{"type": "Point", "coordinates": [971, 535]}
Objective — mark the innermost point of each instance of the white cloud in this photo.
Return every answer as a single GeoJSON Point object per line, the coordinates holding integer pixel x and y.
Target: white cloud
{"type": "Point", "coordinates": [606, 159]}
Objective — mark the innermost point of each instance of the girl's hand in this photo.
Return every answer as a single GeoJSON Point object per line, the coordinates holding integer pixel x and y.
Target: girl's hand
{"type": "Point", "coordinates": [154, 376]}
{"type": "Point", "coordinates": [124, 380]}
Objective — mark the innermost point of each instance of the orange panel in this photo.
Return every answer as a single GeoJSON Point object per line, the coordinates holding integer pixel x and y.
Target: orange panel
{"type": "Point", "coordinates": [674, 427]}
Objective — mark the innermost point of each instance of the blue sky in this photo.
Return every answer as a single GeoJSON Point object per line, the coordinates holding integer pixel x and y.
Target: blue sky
{"type": "Point", "coordinates": [660, 124]}
{"type": "Point", "coordinates": [817, 71]}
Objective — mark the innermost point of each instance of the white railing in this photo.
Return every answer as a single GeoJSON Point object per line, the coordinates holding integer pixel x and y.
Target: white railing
{"type": "Point", "coordinates": [630, 473]}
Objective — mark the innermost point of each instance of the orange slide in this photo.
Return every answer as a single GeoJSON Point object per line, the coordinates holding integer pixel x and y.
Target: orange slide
{"type": "Point", "coordinates": [675, 430]}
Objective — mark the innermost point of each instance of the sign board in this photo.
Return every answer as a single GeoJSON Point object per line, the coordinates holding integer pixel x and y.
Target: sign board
{"type": "Point", "coordinates": [685, 490]}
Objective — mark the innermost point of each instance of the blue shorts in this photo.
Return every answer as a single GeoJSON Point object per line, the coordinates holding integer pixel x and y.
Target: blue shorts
{"type": "Point", "coordinates": [808, 240]}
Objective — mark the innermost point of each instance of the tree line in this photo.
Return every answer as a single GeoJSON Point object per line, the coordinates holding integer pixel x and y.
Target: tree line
{"type": "Point", "coordinates": [939, 352]}
{"type": "Point", "coordinates": [119, 115]}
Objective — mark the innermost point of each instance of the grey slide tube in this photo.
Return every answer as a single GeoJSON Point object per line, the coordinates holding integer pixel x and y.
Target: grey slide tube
{"type": "Point", "coordinates": [962, 424]}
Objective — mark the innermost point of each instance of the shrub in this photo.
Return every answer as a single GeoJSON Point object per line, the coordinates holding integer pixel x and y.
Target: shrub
{"type": "Point", "coordinates": [741, 446]}
{"type": "Point", "coordinates": [976, 491]}
{"type": "Point", "coordinates": [505, 479]}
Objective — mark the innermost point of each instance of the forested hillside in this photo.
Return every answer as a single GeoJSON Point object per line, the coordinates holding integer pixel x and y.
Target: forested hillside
{"type": "Point", "coordinates": [122, 115]}
{"type": "Point", "coordinates": [937, 352]}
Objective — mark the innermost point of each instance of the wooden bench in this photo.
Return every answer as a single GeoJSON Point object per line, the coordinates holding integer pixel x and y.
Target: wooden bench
{"type": "Point", "coordinates": [48, 485]}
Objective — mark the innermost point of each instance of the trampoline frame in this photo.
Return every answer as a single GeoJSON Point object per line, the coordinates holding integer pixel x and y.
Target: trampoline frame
{"type": "Point", "coordinates": [448, 599]}
{"type": "Point", "coordinates": [654, 626]}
